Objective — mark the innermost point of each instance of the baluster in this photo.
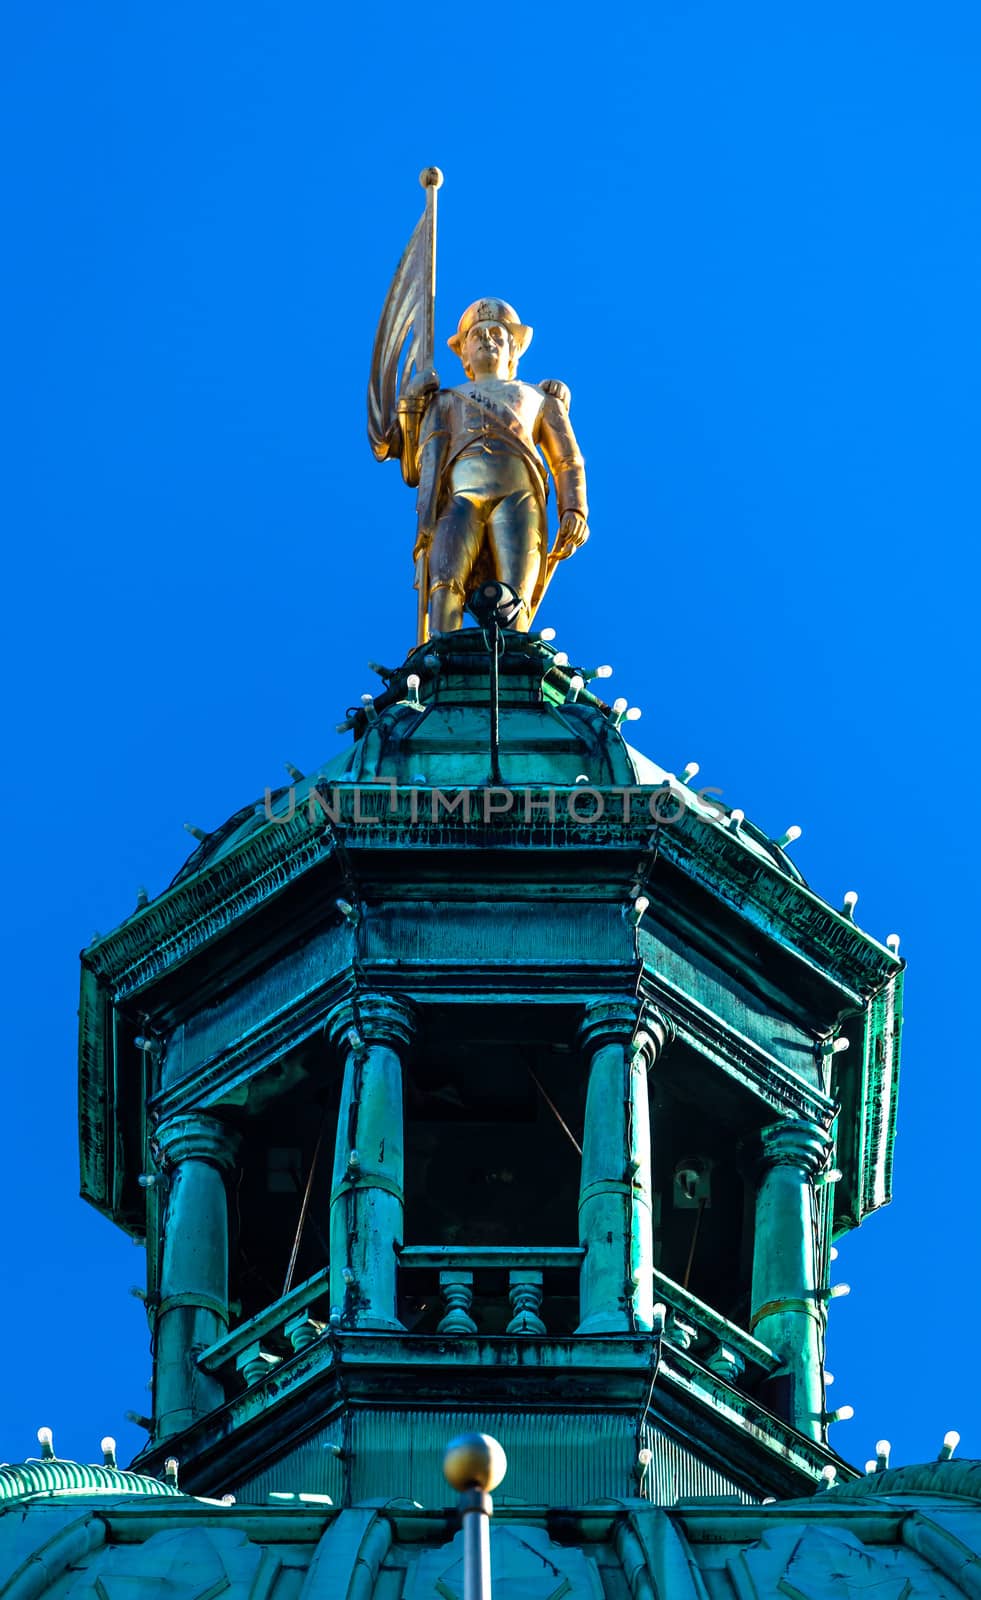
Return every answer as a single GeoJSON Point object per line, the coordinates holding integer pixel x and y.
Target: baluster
{"type": "Point", "coordinates": [254, 1363]}
{"type": "Point", "coordinates": [678, 1332]}
{"type": "Point", "coordinates": [302, 1330]}
{"type": "Point", "coordinates": [725, 1363]}
{"type": "Point", "coordinates": [456, 1287]}
{"type": "Point", "coordinates": [525, 1293]}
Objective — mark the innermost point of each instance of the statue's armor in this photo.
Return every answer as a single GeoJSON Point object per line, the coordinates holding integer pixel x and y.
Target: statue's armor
{"type": "Point", "coordinates": [483, 434]}
{"type": "Point", "coordinates": [476, 453]}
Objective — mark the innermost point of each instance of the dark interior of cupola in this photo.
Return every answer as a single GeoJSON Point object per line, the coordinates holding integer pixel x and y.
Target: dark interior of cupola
{"type": "Point", "coordinates": [492, 1129]}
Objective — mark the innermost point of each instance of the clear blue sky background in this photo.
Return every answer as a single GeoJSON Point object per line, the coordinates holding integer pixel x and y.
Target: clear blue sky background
{"type": "Point", "coordinates": [748, 238]}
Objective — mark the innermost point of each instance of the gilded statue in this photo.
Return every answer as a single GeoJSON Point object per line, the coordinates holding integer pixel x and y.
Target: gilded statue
{"type": "Point", "coordinates": [481, 453]}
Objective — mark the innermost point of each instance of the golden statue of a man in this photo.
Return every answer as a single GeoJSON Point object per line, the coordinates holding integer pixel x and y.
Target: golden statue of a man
{"type": "Point", "coordinates": [480, 454]}
{"type": "Point", "coordinates": [475, 453]}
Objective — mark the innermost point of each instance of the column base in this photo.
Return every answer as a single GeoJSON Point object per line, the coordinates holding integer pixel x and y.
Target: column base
{"type": "Point", "coordinates": [600, 1322]}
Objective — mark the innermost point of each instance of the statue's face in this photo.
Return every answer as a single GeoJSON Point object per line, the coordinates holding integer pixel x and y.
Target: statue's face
{"type": "Point", "coordinates": [487, 349]}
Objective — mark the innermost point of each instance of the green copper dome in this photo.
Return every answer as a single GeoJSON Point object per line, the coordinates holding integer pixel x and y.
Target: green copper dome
{"type": "Point", "coordinates": [430, 729]}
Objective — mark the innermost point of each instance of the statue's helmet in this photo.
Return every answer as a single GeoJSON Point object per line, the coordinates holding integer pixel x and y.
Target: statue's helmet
{"type": "Point", "coordinates": [492, 311]}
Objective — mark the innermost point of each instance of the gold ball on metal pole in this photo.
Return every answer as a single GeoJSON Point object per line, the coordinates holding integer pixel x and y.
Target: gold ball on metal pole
{"type": "Point", "coordinates": [474, 1464]}
{"type": "Point", "coordinates": [474, 1461]}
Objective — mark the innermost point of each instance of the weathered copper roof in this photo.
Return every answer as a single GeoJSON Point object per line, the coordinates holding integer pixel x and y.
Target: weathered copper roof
{"type": "Point", "coordinates": [913, 1532]}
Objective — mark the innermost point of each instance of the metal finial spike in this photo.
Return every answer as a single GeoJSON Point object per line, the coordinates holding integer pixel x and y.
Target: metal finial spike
{"type": "Point", "coordinates": [196, 833]}
{"type": "Point", "coordinates": [294, 772]}
{"type": "Point", "coordinates": [44, 1439]}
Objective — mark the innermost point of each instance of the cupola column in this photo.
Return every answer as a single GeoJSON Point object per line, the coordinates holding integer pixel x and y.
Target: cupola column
{"type": "Point", "coordinates": [616, 1292]}
{"type": "Point", "coordinates": [367, 1192]}
{"type": "Point", "coordinates": [196, 1152]}
{"type": "Point", "coordinates": [787, 1312]}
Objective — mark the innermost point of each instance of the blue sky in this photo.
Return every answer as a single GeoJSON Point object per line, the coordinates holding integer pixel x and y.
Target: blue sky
{"type": "Point", "coordinates": [748, 238]}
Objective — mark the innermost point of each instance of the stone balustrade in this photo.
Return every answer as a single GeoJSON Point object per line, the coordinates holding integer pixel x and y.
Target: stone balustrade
{"type": "Point", "coordinates": [475, 1291]}
{"type": "Point", "coordinates": [711, 1339]}
{"type": "Point", "coordinates": [465, 1271]}
{"type": "Point", "coordinates": [284, 1329]}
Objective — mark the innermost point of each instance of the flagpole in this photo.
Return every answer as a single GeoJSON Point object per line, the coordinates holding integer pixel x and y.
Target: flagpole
{"type": "Point", "coordinates": [431, 179]}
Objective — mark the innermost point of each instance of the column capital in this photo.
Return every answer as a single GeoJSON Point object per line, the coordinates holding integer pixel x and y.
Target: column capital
{"type": "Point", "coordinates": [620, 1020]}
{"type": "Point", "coordinates": [382, 1019]}
{"type": "Point", "coordinates": [195, 1136]}
{"type": "Point", "coordinates": [793, 1142]}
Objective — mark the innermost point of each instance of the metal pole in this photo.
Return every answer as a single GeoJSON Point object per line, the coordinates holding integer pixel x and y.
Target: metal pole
{"type": "Point", "coordinates": [476, 1509]}
{"type": "Point", "coordinates": [474, 1464]}
{"type": "Point", "coordinates": [495, 705]}
{"type": "Point", "coordinates": [432, 180]}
